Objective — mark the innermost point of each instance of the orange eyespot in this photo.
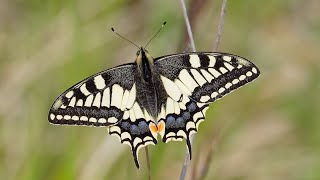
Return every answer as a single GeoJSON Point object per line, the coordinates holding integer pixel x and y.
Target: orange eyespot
{"type": "Point", "coordinates": [153, 128]}
{"type": "Point", "coordinates": [161, 126]}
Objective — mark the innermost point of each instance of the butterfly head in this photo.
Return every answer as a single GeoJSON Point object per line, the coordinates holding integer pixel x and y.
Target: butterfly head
{"type": "Point", "coordinates": [145, 64]}
{"type": "Point", "coordinates": [143, 56]}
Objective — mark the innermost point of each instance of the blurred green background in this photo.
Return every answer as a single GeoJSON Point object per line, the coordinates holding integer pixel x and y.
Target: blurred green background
{"type": "Point", "coordinates": [269, 129]}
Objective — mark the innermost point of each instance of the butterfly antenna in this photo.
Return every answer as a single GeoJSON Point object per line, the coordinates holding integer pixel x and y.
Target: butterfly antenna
{"type": "Point", "coordinates": [156, 34]}
{"type": "Point", "coordinates": [124, 38]}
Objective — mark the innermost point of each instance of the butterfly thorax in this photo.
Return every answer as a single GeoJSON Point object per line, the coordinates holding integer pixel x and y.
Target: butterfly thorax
{"type": "Point", "coordinates": [148, 83]}
{"type": "Point", "coordinates": [145, 65]}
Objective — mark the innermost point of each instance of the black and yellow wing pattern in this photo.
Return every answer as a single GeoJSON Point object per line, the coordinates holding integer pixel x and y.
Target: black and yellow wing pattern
{"type": "Point", "coordinates": [193, 81]}
{"type": "Point", "coordinates": [169, 97]}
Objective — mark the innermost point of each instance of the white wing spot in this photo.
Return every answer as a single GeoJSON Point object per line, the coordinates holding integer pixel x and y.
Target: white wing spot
{"type": "Point", "coordinates": [59, 117]}
{"type": "Point", "coordinates": [102, 120]}
{"type": "Point", "coordinates": [227, 58]}
{"type": "Point", "coordinates": [182, 87]}
{"type": "Point", "coordinates": [171, 88]}
{"type": "Point", "coordinates": [221, 90]}
{"type": "Point", "coordinates": [136, 141]}
{"type": "Point", "coordinates": [112, 120]}
{"type": "Point", "coordinates": [187, 80]}
{"type": "Point", "coordinates": [75, 118]}
{"type": "Point", "coordinates": [147, 138]}
{"type": "Point", "coordinates": [83, 118]}
{"type": "Point", "coordinates": [52, 116]}
{"type": "Point", "coordinates": [200, 104]}
{"type": "Point", "coordinates": [126, 115]}
{"type": "Point", "coordinates": [214, 72]}
{"type": "Point", "coordinates": [57, 104]}
{"type": "Point", "coordinates": [204, 98]}
{"type": "Point", "coordinates": [170, 106]}
{"type": "Point", "coordinates": [137, 111]}
{"type": "Point", "coordinates": [69, 94]}
{"type": "Point", "coordinates": [117, 94]}
{"type": "Point", "coordinates": [84, 90]}
{"type": "Point", "coordinates": [97, 100]}
{"type": "Point", "coordinates": [67, 117]}
{"type": "Point", "coordinates": [162, 113]}
{"type": "Point", "coordinates": [228, 66]}
{"type": "Point", "coordinates": [125, 135]}
{"type": "Point", "coordinates": [254, 70]}
{"type": "Point", "coordinates": [243, 62]}
{"type": "Point", "coordinates": [113, 128]}
{"type": "Point", "coordinates": [106, 98]}
{"type": "Point", "coordinates": [214, 94]}
{"type": "Point", "coordinates": [197, 116]}
{"type": "Point", "coordinates": [124, 100]}
{"type": "Point", "coordinates": [99, 82]}
{"type": "Point", "coordinates": [132, 96]}
{"type": "Point", "coordinates": [212, 61]}
{"type": "Point", "coordinates": [190, 125]}
{"type": "Point", "coordinates": [176, 108]}
{"type": "Point", "coordinates": [223, 70]}
{"type": "Point", "coordinates": [198, 77]}
{"type": "Point", "coordinates": [79, 102]}
{"type": "Point", "coordinates": [92, 119]}
{"type": "Point", "coordinates": [249, 73]}
{"type": "Point", "coordinates": [242, 77]}
{"type": "Point", "coordinates": [89, 101]}
{"type": "Point", "coordinates": [72, 102]}
{"type": "Point", "coordinates": [194, 60]}
{"type": "Point", "coordinates": [228, 85]}
{"type": "Point", "coordinates": [182, 133]}
{"type": "Point", "coordinates": [235, 81]}
{"type": "Point", "coordinates": [207, 75]}
{"type": "Point", "coordinates": [132, 115]}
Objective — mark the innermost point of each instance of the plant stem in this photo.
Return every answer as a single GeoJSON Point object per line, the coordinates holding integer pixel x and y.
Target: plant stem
{"type": "Point", "coordinates": [187, 156]}
{"type": "Point", "coordinates": [148, 162]}
{"type": "Point", "coordinates": [220, 25]}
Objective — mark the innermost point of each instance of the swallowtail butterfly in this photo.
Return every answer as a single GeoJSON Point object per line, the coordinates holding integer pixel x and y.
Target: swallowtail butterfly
{"type": "Point", "coordinates": [168, 95]}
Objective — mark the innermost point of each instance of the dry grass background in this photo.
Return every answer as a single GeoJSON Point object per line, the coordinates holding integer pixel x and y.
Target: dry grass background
{"type": "Point", "coordinates": [269, 129]}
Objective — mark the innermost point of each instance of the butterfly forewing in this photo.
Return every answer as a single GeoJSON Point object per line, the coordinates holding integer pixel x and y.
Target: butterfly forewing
{"type": "Point", "coordinates": [205, 77]}
{"type": "Point", "coordinates": [99, 100]}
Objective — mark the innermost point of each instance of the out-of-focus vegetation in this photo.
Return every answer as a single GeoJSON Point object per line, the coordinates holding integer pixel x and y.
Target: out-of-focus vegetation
{"type": "Point", "coordinates": [270, 129]}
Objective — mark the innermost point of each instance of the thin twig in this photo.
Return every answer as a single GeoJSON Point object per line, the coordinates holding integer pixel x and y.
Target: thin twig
{"type": "Point", "coordinates": [208, 160]}
{"type": "Point", "coordinates": [220, 25]}
{"type": "Point", "coordinates": [216, 44]}
{"type": "Point", "coordinates": [194, 13]}
{"type": "Point", "coordinates": [187, 156]}
{"type": "Point", "coordinates": [209, 156]}
{"type": "Point", "coordinates": [185, 15]}
{"type": "Point", "coordinates": [148, 162]}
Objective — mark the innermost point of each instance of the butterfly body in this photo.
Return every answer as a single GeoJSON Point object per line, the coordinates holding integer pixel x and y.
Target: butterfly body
{"type": "Point", "coordinates": [168, 95]}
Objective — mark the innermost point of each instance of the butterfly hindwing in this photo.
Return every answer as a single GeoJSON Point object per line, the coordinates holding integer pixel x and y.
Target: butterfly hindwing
{"type": "Point", "coordinates": [181, 118]}
{"type": "Point", "coordinates": [134, 130]}
{"type": "Point", "coordinates": [99, 100]}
